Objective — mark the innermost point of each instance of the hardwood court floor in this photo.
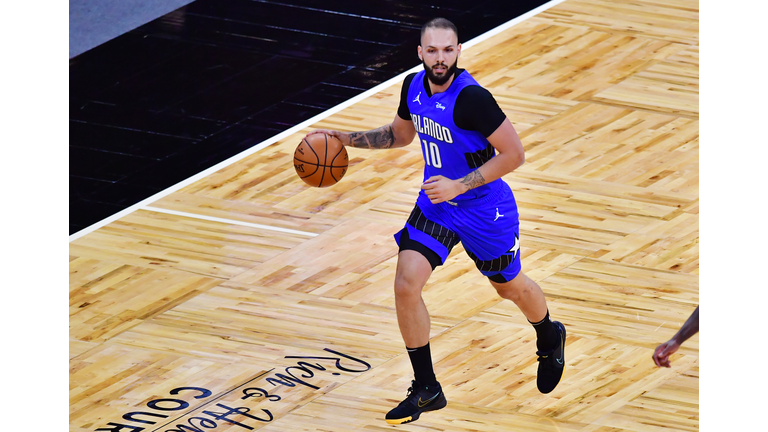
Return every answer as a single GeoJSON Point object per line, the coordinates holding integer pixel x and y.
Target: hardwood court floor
{"type": "Point", "coordinates": [180, 321]}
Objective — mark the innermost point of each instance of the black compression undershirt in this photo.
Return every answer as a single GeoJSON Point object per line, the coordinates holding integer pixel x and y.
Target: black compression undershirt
{"type": "Point", "coordinates": [475, 110]}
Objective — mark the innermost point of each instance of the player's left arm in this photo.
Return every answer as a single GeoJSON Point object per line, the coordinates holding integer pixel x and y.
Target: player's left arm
{"type": "Point", "coordinates": [511, 156]}
{"type": "Point", "coordinates": [481, 112]}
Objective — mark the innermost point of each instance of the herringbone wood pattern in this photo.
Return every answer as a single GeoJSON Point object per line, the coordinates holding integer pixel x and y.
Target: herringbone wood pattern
{"type": "Point", "coordinates": [604, 95]}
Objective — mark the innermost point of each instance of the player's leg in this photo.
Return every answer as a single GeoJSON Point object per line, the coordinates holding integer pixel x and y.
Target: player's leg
{"type": "Point", "coordinates": [504, 273]}
{"type": "Point", "coordinates": [526, 294]}
{"type": "Point", "coordinates": [422, 248]}
{"type": "Point", "coordinates": [413, 271]}
{"type": "Point", "coordinates": [512, 284]}
{"type": "Point", "coordinates": [490, 234]}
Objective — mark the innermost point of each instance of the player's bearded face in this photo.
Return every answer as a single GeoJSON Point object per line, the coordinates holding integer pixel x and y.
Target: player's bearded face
{"type": "Point", "coordinates": [439, 72]}
{"type": "Point", "coordinates": [439, 53]}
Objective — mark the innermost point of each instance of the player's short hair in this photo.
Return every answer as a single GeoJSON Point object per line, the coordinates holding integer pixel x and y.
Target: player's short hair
{"type": "Point", "coordinates": [440, 23]}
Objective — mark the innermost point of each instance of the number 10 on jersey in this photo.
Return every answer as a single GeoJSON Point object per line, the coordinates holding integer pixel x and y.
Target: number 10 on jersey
{"type": "Point", "coordinates": [432, 154]}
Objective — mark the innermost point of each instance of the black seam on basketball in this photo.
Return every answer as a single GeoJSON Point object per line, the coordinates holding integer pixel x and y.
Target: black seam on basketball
{"type": "Point", "coordinates": [331, 167]}
{"type": "Point", "coordinates": [337, 155]}
{"type": "Point", "coordinates": [317, 165]}
{"type": "Point", "coordinates": [312, 173]}
{"type": "Point", "coordinates": [334, 160]}
{"type": "Point", "coordinates": [309, 175]}
{"type": "Point", "coordinates": [313, 150]}
{"type": "Point", "coordinates": [306, 162]}
{"type": "Point", "coordinates": [325, 159]}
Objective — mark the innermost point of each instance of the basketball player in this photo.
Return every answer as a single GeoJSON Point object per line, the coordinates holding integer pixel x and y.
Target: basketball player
{"type": "Point", "coordinates": [462, 199]}
{"type": "Point", "coordinates": [663, 351]}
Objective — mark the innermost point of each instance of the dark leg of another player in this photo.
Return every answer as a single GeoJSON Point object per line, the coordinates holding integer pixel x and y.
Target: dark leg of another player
{"type": "Point", "coordinates": [529, 297]}
{"type": "Point", "coordinates": [425, 394]}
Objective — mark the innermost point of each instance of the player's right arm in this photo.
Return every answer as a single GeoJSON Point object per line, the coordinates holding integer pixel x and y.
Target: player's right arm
{"type": "Point", "coordinates": [399, 133]}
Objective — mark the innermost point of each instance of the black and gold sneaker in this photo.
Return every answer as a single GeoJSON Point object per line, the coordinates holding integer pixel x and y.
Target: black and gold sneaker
{"type": "Point", "coordinates": [420, 399]}
{"type": "Point", "coordinates": [552, 363]}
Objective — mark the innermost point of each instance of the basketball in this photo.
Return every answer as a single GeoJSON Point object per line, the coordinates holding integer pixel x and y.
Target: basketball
{"type": "Point", "coordinates": [320, 160]}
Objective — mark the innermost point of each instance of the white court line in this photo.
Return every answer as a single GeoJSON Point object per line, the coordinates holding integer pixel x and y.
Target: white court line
{"type": "Point", "coordinates": [228, 221]}
{"type": "Point", "coordinates": [301, 126]}
{"type": "Point", "coordinates": [510, 23]}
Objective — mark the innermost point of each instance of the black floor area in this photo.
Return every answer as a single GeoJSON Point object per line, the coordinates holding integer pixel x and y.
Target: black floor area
{"type": "Point", "coordinates": [178, 95]}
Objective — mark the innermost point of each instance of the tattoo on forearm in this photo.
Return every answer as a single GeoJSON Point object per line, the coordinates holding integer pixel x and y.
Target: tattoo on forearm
{"type": "Point", "coordinates": [381, 138]}
{"type": "Point", "coordinates": [473, 180]}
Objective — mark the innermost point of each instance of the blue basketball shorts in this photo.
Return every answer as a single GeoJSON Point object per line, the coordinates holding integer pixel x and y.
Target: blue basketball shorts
{"type": "Point", "coordinates": [488, 228]}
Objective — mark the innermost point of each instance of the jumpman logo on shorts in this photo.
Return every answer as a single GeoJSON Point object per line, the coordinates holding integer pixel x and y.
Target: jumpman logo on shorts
{"type": "Point", "coordinates": [497, 214]}
{"type": "Point", "coordinates": [417, 98]}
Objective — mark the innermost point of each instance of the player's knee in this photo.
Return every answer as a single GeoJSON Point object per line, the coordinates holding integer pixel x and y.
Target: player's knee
{"type": "Point", "coordinates": [406, 287]}
{"type": "Point", "coordinates": [510, 293]}
{"type": "Point", "coordinates": [512, 290]}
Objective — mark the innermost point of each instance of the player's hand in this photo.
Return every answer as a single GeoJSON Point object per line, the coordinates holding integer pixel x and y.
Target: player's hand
{"type": "Point", "coordinates": [440, 189]}
{"type": "Point", "coordinates": [342, 136]}
{"type": "Point", "coordinates": [663, 351]}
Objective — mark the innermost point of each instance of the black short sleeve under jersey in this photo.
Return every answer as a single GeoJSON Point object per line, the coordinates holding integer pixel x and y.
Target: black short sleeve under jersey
{"type": "Point", "coordinates": [403, 110]}
{"type": "Point", "coordinates": [475, 110]}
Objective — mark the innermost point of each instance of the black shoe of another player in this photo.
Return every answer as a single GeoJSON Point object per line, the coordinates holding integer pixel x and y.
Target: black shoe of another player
{"type": "Point", "coordinates": [420, 399]}
{"type": "Point", "coordinates": [552, 363]}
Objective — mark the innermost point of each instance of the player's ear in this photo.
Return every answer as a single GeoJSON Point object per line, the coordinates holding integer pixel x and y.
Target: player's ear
{"type": "Point", "coordinates": [458, 50]}
{"type": "Point", "coordinates": [419, 51]}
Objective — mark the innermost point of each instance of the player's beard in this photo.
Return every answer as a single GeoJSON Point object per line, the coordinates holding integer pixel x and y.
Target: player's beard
{"type": "Point", "coordinates": [442, 79]}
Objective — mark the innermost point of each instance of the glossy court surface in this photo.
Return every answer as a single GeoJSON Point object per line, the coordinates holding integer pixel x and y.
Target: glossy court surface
{"type": "Point", "coordinates": [190, 89]}
{"type": "Point", "coordinates": [197, 311]}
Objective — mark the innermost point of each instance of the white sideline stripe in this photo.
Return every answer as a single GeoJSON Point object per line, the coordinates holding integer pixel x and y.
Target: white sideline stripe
{"type": "Point", "coordinates": [228, 221]}
{"type": "Point", "coordinates": [510, 23]}
{"type": "Point", "coordinates": [300, 126]}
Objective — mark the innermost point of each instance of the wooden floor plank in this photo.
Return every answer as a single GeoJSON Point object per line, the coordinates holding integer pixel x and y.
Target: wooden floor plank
{"type": "Point", "coordinates": [674, 21]}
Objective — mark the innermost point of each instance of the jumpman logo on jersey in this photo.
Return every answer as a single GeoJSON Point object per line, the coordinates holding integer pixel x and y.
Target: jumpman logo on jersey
{"type": "Point", "coordinates": [497, 214]}
{"type": "Point", "coordinates": [417, 98]}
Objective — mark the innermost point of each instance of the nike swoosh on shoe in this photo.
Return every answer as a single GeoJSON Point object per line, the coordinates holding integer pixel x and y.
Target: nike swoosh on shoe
{"type": "Point", "coordinates": [422, 405]}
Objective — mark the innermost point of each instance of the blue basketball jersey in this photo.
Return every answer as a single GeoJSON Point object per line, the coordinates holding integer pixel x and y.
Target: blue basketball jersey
{"type": "Point", "coordinates": [447, 149]}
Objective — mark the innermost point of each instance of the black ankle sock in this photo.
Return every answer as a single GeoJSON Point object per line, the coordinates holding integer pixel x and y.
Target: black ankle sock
{"type": "Point", "coordinates": [546, 335]}
{"type": "Point", "coordinates": [421, 360]}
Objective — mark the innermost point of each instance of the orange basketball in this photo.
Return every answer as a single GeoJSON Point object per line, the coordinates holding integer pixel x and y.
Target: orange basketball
{"type": "Point", "coordinates": [320, 160]}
